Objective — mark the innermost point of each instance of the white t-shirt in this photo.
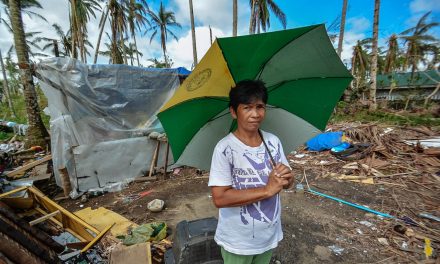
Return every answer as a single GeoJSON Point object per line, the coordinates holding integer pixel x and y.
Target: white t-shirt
{"type": "Point", "coordinates": [255, 228]}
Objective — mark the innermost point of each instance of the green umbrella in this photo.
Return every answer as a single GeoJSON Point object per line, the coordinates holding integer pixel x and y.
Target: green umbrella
{"type": "Point", "coordinates": [304, 76]}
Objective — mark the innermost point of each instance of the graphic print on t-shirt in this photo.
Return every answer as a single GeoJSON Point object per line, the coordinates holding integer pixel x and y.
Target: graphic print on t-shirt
{"type": "Point", "coordinates": [254, 174]}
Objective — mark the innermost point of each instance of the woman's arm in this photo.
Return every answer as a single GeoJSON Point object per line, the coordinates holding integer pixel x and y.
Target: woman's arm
{"type": "Point", "coordinates": [226, 196]}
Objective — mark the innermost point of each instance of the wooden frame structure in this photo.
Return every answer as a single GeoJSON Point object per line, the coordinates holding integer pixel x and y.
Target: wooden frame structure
{"type": "Point", "coordinates": [36, 202]}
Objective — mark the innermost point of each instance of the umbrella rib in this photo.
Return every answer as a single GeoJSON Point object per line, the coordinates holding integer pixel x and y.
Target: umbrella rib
{"type": "Point", "coordinates": [277, 85]}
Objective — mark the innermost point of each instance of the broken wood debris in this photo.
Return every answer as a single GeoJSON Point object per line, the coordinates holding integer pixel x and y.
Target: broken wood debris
{"type": "Point", "coordinates": [410, 173]}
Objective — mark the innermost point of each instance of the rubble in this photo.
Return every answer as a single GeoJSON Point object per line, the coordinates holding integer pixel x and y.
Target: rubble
{"type": "Point", "coordinates": [401, 161]}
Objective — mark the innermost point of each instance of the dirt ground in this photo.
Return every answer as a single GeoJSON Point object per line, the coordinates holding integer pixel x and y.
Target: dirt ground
{"type": "Point", "coordinates": [312, 225]}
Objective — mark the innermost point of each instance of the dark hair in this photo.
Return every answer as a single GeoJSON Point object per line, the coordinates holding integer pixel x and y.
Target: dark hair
{"type": "Point", "coordinates": [246, 92]}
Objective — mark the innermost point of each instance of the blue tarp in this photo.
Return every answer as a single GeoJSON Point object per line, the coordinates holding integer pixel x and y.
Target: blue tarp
{"type": "Point", "coordinates": [325, 141]}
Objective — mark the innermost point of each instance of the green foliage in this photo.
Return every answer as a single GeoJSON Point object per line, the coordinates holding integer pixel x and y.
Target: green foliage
{"type": "Point", "coordinates": [5, 136]}
{"type": "Point", "coordinates": [20, 108]}
{"type": "Point", "coordinates": [343, 113]}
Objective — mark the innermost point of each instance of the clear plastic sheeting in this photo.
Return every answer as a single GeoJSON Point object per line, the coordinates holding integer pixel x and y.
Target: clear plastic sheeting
{"type": "Point", "coordinates": [90, 104]}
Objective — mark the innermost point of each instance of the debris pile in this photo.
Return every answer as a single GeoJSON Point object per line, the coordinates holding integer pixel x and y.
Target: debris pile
{"type": "Point", "coordinates": [405, 162]}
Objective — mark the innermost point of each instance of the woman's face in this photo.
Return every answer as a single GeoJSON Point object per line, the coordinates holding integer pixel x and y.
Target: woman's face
{"type": "Point", "coordinates": [249, 116]}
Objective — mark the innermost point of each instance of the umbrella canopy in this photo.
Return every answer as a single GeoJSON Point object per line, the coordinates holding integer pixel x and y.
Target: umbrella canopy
{"type": "Point", "coordinates": [304, 76]}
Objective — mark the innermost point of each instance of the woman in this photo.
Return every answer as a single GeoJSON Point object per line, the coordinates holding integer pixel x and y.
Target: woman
{"type": "Point", "coordinates": [248, 171]}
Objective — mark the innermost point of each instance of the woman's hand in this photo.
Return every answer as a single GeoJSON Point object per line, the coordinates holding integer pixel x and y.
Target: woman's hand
{"type": "Point", "coordinates": [279, 178]}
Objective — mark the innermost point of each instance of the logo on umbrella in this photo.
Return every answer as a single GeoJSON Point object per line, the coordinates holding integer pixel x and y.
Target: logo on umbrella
{"type": "Point", "coordinates": [198, 80]}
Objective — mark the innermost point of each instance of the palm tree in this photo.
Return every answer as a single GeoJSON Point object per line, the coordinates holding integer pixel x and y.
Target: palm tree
{"type": "Point", "coordinates": [131, 51]}
{"type": "Point", "coordinates": [80, 12]}
{"type": "Point", "coordinates": [137, 11]}
{"type": "Point", "coordinates": [118, 22]}
{"type": "Point", "coordinates": [102, 22]}
{"type": "Point", "coordinates": [342, 28]}
{"type": "Point", "coordinates": [392, 55]}
{"type": "Point", "coordinates": [260, 16]}
{"type": "Point", "coordinates": [161, 22]}
{"type": "Point", "coordinates": [418, 42]}
{"type": "Point", "coordinates": [36, 133]}
{"type": "Point", "coordinates": [234, 18]}
{"type": "Point", "coordinates": [63, 38]}
{"type": "Point", "coordinates": [360, 64]}
{"type": "Point", "coordinates": [25, 5]}
{"type": "Point", "coordinates": [193, 33]}
{"type": "Point", "coordinates": [373, 81]}
{"type": "Point", "coordinates": [6, 86]}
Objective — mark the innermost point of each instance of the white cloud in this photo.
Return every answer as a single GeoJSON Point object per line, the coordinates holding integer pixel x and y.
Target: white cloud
{"type": "Point", "coordinates": [418, 6]}
{"type": "Point", "coordinates": [350, 40]}
{"type": "Point", "coordinates": [217, 14]}
{"type": "Point", "coordinates": [358, 24]}
{"type": "Point", "coordinates": [181, 51]}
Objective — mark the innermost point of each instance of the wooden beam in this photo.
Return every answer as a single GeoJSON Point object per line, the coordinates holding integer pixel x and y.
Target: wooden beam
{"type": "Point", "coordinates": [17, 172]}
{"type": "Point", "coordinates": [43, 218]}
{"type": "Point", "coordinates": [98, 237]}
{"type": "Point", "coordinates": [154, 159]}
{"type": "Point", "coordinates": [13, 191]}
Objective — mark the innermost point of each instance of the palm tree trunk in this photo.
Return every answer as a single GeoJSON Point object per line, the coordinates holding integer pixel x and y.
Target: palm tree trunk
{"type": "Point", "coordinates": [373, 104]}
{"type": "Point", "coordinates": [36, 133]}
{"type": "Point", "coordinates": [102, 23]}
{"type": "Point", "coordinates": [234, 18]}
{"type": "Point", "coordinates": [73, 28]}
{"type": "Point", "coordinates": [252, 19]}
{"type": "Point", "coordinates": [427, 98]}
{"type": "Point", "coordinates": [193, 33]}
{"type": "Point", "coordinates": [342, 29]}
{"type": "Point", "coordinates": [56, 51]}
{"type": "Point", "coordinates": [124, 51]}
{"type": "Point", "coordinates": [136, 49]}
{"type": "Point", "coordinates": [164, 45]}
{"type": "Point", "coordinates": [6, 87]}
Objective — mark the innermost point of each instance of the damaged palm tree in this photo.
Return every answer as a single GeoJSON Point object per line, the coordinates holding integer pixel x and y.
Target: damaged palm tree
{"type": "Point", "coordinates": [36, 133]}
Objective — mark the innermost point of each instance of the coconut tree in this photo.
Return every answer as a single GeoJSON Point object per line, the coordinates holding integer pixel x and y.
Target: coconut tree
{"type": "Point", "coordinates": [60, 46]}
{"type": "Point", "coordinates": [193, 33]}
{"type": "Point", "coordinates": [31, 42]}
{"type": "Point", "coordinates": [360, 64]}
{"type": "Point", "coordinates": [260, 17]}
{"type": "Point", "coordinates": [6, 86]}
{"type": "Point", "coordinates": [373, 70]}
{"type": "Point", "coordinates": [418, 42]}
{"type": "Point", "coordinates": [234, 18]}
{"type": "Point", "coordinates": [342, 28]}
{"type": "Point", "coordinates": [392, 55]}
{"type": "Point", "coordinates": [36, 133]}
{"type": "Point", "coordinates": [160, 23]}
{"type": "Point", "coordinates": [80, 13]}
{"type": "Point", "coordinates": [118, 24]}
{"type": "Point", "coordinates": [102, 22]}
{"type": "Point", "coordinates": [137, 20]}
{"type": "Point", "coordinates": [131, 51]}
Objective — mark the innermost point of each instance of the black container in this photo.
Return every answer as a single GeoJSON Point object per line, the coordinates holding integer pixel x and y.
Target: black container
{"type": "Point", "coordinates": [194, 242]}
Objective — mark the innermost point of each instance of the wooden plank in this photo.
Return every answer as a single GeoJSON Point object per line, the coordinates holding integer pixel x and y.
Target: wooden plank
{"type": "Point", "coordinates": [17, 172]}
{"type": "Point", "coordinates": [97, 238]}
{"type": "Point", "coordinates": [154, 159]}
{"type": "Point", "coordinates": [136, 254]}
{"type": "Point", "coordinates": [58, 223]}
{"type": "Point", "coordinates": [166, 160]}
{"type": "Point", "coordinates": [43, 218]}
{"type": "Point", "coordinates": [144, 179]}
{"type": "Point", "coordinates": [68, 219]}
{"type": "Point", "coordinates": [13, 191]}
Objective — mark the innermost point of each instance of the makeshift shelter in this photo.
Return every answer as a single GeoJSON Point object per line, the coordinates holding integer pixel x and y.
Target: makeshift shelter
{"type": "Point", "coordinates": [100, 118]}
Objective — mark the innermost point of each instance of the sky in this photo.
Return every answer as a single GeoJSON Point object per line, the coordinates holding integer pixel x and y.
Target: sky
{"type": "Point", "coordinates": [395, 17]}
